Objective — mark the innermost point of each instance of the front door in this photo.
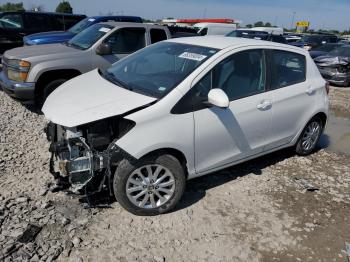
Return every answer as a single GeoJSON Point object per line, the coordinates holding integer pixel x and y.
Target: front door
{"type": "Point", "coordinates": [223, 136]}
{"type": "Point", "coordinates": [123, 42]}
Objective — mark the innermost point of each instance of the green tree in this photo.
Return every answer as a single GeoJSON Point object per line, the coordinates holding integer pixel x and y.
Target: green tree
{"type": "Point", "coordinates": [259, 24]}
{"type": "Point", "coordinates": [249, 26]}
{"type": "Point", "coordinates": [268, 24]}
{"type": "Point", "coordinates": [64, 7]}
{"type": "Point", "coordinates": [11, 7]}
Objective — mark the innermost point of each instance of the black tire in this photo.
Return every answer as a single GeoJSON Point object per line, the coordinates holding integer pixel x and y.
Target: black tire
{"type": "Point", "coordinates": [126, 168]}
{"type": "Point", "coordinates": [301, 149]}
{"type": "Point", "coordinates": [48, 89]}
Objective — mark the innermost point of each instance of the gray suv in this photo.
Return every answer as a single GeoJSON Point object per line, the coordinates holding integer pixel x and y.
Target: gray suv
{"type": "Point", "coordinates": [31, 73]}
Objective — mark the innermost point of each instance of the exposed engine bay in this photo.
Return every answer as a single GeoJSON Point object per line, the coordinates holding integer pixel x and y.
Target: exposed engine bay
{"type": "Point", "coordinates": [78, 154]}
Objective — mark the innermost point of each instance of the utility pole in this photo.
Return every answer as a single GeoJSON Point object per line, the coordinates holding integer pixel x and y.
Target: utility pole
{"type": "Point", "coordinates": [292, 25]}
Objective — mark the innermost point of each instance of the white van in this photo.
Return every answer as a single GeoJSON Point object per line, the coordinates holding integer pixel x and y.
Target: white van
{"type": "Point", "coordinates": [214, 28]}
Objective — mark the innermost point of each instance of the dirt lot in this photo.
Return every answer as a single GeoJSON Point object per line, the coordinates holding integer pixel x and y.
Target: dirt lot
{"type": "Point", "coordinates": [257, 211]}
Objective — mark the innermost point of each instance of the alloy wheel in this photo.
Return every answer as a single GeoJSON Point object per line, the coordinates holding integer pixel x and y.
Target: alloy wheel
{"type": "Point", "coordinates": [150, 186]}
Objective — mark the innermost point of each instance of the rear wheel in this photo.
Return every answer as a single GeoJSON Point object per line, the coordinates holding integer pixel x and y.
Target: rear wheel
{"type": "Point", "coordinates": [150, 186]}
{"type": "Point", "coordinates": [309, 137]}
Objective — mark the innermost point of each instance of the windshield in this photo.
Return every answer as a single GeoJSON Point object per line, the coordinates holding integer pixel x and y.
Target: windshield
{"type": "Point", "coordinates": [89, 36]}
{"type": "Point", "coordinates": [11, 21]}
{"type": "Point", "coordinates": [341, 51]}
{"type": "Point", "coordinates": [159, 68]}
{"type": "Point", "coordinates": [311, 39]}
{"type": "Point", "coordinates": [85, 23]}
{"type": "Point", "coordinates": [325, 47]}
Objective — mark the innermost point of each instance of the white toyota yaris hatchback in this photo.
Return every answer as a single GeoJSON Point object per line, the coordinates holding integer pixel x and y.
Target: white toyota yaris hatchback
{"type": "Point", "coordinates": [180, 109]}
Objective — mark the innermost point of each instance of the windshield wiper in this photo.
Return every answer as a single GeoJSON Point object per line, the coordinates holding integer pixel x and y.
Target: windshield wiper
{"type": "Point", "coordinates": [111, 77]}
{"type": "Point", "coordinates": [73, 45]}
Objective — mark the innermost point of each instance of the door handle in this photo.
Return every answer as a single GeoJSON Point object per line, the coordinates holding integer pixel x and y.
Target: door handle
{"type": "Point", "coordinates": [310, 90]}
{"type": "Point", "coordinates": [266, 104]}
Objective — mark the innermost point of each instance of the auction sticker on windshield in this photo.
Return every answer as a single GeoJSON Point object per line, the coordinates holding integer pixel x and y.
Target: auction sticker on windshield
{"type": "Point", "coordinates": [192, 56]}
{"type": "Point", "coordinates": [104, 29]}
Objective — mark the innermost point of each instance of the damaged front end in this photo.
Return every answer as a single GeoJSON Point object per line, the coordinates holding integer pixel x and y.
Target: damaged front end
{"type": "Point", "coordinates": [81, 153]}
{"type": "Point", "coordinates": [336, 69]}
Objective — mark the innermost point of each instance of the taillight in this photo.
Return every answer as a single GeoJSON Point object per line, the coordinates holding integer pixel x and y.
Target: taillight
{"type": "Point", "coordinates": [327, 87]}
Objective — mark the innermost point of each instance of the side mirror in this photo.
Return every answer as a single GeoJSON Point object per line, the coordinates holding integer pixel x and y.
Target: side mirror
{"type": "Point", "coordinates": [104, 49]}
{"type": "Point", "coordinates": [218, 97]}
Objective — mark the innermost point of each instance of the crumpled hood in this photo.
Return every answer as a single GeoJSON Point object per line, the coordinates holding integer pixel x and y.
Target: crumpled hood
{"type": "Point", "coordinates": [48, 37]}
{"type": "Point", "coordinates": [327, 60]}
{"type": "Point", "coordinates": [88, 98]}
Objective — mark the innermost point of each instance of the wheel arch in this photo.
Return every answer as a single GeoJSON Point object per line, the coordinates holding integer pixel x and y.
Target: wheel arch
{"type": "Point", "coordinates": [51, 75]}
{"type": "Point", "coordinates": [175, 153]}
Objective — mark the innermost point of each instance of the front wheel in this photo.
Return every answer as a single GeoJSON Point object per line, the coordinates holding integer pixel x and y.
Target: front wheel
{"type": "Point", "coordinates": [149, 186]}
{"type": "Point", "coordinates": [309, 137]}
{"type": "Point", "coordinates": [48, 89]}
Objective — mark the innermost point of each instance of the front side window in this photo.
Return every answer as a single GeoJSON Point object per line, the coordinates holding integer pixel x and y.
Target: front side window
{"type": "Point", "coordinates": [240, 75]}
{"type": "Point", "coordinates": [89, 36]}
{"type": "Point", "coordinates": [127, 40]}
{"type": "Point", "coordinates": [159, 68]}
{"type": "Point", "coordinates": [11, 21]}
{"type": "Point", "coordinates": [287, 68]}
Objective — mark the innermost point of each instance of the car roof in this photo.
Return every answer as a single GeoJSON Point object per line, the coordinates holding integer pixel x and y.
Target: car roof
{"type": "Point", "coordinates": [131, 24]}
{"type": "Point", "coordinates": [222, 42]}
{"type": "Point", "coordinates": [35, 12]}
{"type": "Point", "coordinates": [114, 16]}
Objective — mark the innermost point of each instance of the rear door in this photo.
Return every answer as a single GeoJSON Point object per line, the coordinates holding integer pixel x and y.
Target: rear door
{"type": "Point", "coordinates": [292, 96]}
{"type": "Point", "coordinates": [123, 42]}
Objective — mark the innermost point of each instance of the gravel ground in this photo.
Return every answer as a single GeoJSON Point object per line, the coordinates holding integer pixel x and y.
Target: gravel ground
{"type": "Point", "coordinates": [263, 210]}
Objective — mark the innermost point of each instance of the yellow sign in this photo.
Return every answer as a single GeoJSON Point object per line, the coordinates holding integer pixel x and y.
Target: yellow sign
{"type": "Point", "coordinates": [303, 24]}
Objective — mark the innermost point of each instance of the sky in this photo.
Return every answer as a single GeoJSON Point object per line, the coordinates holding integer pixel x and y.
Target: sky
{"type": "Point", "coordinates": [322, 14]}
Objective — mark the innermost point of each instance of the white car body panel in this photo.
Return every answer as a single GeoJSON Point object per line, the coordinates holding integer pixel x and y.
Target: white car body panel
{"type": "Point", "coordinates": [210, 139]}
{"type": "Point", "coordinates": [74, 103]}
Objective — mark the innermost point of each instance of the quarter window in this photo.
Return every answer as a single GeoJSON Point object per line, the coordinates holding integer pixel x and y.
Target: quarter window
{"type": "Point", "coordinates": [127, 40]}
{"type": "Point", "coordinates": [287, 69]}
{"type": "Point", "coordinates": [157, 35]}
{"type": "Point", "coordinates": [37, 22]}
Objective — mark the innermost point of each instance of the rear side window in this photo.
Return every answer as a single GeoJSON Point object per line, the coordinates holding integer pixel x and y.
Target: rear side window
{"type": "Point", "coordinates": [127, 40]}
{"type": "Point", "coordinates": [70, 21]}
{"type": "Point", "coordinates": [11, 21]}
{"type": "Point", "coordinates": [287, 68]}
{"type": "Point", "coordinates": [157, 35]}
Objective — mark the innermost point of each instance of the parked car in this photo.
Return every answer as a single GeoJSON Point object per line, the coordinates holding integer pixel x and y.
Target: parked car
{"type": "Point", "coordinates": [64, 36]}
{"type": "Point", "coordinates": [256, 34]}
{"type": "Point", "coordinates": [291, 37]}
{"type": "Point", "coordinates": [181, 109]}
{"type": "Point", "coordinates": [310, 41]}
{"type": "Point", "coordinates": [15, 25]}
{"type": "Point", "coordinates": [31, 73]}
{"type": "Point", "coordinates": [182, 31]}
{"type": "Point", "coordinates": [324, 49]}
{"type": "Point", "coordinates": [214, 28]}
{"type": "Point", "coordinates": [335, 66]}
